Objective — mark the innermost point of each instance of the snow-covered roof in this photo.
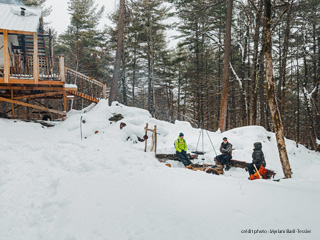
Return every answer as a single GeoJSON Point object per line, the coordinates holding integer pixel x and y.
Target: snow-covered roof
{"type": "Point", "coordinates": [11, 18]}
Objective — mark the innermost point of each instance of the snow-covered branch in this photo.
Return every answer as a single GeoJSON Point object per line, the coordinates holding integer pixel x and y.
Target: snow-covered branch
{"type": "Point", "coordinates": [241, 86]}
{"type": "Point", "coordinates": [242, 52]}
{"type": "Point", "coordinates": [236, 75]}
{"type": "Point", "coordinates": [308, 95]}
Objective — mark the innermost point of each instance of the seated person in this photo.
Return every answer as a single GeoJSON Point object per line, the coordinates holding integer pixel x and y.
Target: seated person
{"type": "Point", "coordinates": [181, 150]}
{"type": "Point", "coordinates": [257, 158]}
{"type": "Point", "coordinates": [226, 156]}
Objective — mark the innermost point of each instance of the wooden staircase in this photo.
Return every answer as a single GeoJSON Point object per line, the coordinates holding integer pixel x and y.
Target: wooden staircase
{"type": "Point", "coordinates": [83, 96]}
{"type": "Point", "coordinates": [87, 88]}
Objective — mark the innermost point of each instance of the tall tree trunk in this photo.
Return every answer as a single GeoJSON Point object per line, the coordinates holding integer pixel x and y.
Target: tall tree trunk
{"type": "Point", "coordinates": [317, 93]}
{"type": "Point", "coordinates": [243, 96]}
{"type": "Point", "coordinates": [278, 127]}
{"type": "Point", "coordinates": [308, 104]}
{"type": "Point", "coordinates": [311, 128]}
{"type": "Point", "coordinates": [117, 64]}
{"type": "Point", "coordinates": [226, 69]}
{"type": "Point", "coordinates": [179, 93]}
{"type": "Point", "coordinates": [278, 92]}
{"type": "Point", "coordinates": [219, 76]}
{"type": "Point", "coordinates": [150, 56]}
{"type": "Point", "coordinates": [284, 63]}
{"type": "Point", "coordinates": [253, 90]}
{"type": "Point", "coordinates": [198, 79]}
{"type": "Point", "coordinates": [261, 85]}
{"type": "Point", "coordinates": [298, 98]}
{"type": "Point", "coordinates": [316, 78]}
{"type": "Point", "coordinates": [134, 74]}
{"type": "Point", "coordinates": [123, 78]}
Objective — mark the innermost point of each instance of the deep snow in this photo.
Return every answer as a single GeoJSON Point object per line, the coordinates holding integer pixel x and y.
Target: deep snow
{"type": "Point", "coordinates": [53, 185]}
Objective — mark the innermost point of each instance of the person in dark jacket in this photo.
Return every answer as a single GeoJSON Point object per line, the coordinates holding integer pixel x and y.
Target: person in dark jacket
{"type": "Point", "coordinates": [226, 156]}
{"type": "Point", "coordinates": [181, 150]}
{"type": "Point", "coordinates": [257, 158]}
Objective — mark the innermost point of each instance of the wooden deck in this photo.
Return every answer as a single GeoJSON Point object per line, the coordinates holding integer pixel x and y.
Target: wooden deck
{"type": "Point", "coordinates": [25, 92]}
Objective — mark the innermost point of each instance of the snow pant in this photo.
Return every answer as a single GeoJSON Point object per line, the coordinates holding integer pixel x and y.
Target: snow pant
{"type": "Point", "coordinates": [184, 158]}
{"type": "Point", "coordinates": [251, 168]}
{"type": "Point", "coordinates": [224, 159]}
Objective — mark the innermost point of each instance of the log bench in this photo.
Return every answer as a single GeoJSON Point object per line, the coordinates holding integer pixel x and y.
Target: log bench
{"type": "Point", "coordinates": [208, 168]}
{"type": "Point", "coordinates": [165, 157]}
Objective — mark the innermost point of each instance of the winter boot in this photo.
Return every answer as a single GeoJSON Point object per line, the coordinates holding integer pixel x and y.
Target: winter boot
{"type": "Point", "coordinates": [189, 166]}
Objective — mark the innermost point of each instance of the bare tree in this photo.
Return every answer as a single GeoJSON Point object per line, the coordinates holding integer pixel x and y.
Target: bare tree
{"type": "Point", "coordinates": [117, 64]}
{"type": "Point", "coordinates": [278, 126]}
{"type": "Point", "coordinates": [253, 90]}
{"type": "Point", "coordinates": [226, 69]}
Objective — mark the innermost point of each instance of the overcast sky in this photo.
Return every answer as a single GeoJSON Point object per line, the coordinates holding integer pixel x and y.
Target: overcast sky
{"type": "Point", "coordinates": [59, 18]}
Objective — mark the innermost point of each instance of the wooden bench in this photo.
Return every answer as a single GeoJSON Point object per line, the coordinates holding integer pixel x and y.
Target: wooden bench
{"type": "Point", "coordinates": [217, 169]}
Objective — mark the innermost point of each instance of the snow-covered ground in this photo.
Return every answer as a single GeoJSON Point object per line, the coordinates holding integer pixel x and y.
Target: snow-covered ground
{"type": "Point", "coordinates": [53, 185]}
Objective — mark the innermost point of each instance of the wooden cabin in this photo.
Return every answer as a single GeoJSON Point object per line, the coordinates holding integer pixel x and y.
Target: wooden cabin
{"type": "Point", "coordinates": [33, 82]}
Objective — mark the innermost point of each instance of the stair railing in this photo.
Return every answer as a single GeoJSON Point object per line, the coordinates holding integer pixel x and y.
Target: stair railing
{"type": "Point", "coordinates": [85, 84]}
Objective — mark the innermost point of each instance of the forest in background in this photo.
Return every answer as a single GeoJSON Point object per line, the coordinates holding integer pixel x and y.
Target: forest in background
{"type": "Point", "coordinates": [185, 83]}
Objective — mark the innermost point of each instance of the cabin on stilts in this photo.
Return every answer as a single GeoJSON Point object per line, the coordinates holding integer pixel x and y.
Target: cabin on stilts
{"type": "Point", "coordinates": [34, 84]}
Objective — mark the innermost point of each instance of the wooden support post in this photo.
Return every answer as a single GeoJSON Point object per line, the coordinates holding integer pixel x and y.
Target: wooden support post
{"type": "Point", "coordinates": [104, 91]}
{"type": "Point", "coordinates": [6, 56]}
{"type": "Point", "coordinates": [39, 95]}
{"type": "Point", "coordinates": [27, 111]}
{"type": "Point", "coordinates": [152, 142]}
{"type": "Point", "coordinates": [61, 68]}
{"type": "Point", "coordinates": [33, 106]}
{"type": "Point", "coordinates": [12, 104]}
{"type": "Point", "coordinates": [35, 59]}
{"type": "Point", "coordinates": [155, 139]}
{"type": "Point", "coordinates": [65, 100]}
{"type": "Point", "coordinates": [146, 141]}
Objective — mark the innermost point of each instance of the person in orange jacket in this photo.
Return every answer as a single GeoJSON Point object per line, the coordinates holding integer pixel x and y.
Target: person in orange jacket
{"type": "Point", "coordinates": [257, 158]}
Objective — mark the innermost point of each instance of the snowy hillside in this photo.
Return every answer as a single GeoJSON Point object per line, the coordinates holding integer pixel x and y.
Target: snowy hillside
{"type": "Point", "coordinates": [53, 185]}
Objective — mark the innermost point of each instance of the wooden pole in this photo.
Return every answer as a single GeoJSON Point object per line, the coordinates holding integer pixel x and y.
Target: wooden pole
{"type": "Point", "coordinates": [12, 104]}
{"type": "Point", "coordinates": [61, 68]}
{"type": "Point", "coordinates": [104, 91]}
{"type": "Point", "coordinates": [152, 143]}
{"type": "Point", "coordinates": [155, 139]}
{"type": "Point", "coordinates": [6, 56]}
{"type": "Point", "coordinates": [146, 140]}
{"type": "Point", "coordinates": [257, 171]}
{"type": "Point", "coordinates": [64, 100]}
{"type": "Point", "coordinates": [32, 106]}
{"type": "Point", "coordinates": [35, 59]}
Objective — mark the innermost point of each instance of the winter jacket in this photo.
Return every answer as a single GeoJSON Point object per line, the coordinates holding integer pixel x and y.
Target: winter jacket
{"type": "Point", "coordinates": [226, 148]}
{"type": "Point", "coordinates": [257, 155]}
{"type": "Point", "coordinates": [180, 144]}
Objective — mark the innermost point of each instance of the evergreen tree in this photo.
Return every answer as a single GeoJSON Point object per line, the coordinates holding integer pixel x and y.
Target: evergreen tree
{"type": "Point", "coordinates": [38, 3]}
{"type": "Point", "coordinates": [82, 44]}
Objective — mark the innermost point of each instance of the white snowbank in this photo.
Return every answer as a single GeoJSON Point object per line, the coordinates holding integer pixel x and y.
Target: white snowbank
{"type": "Point", "coordinates": [53, 185]}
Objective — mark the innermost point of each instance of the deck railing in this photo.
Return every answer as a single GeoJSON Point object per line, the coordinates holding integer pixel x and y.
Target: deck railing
{"type": "Point", "coordinates": [85, 84]}
{"type": "Point", "coordinates": [21, 66]}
